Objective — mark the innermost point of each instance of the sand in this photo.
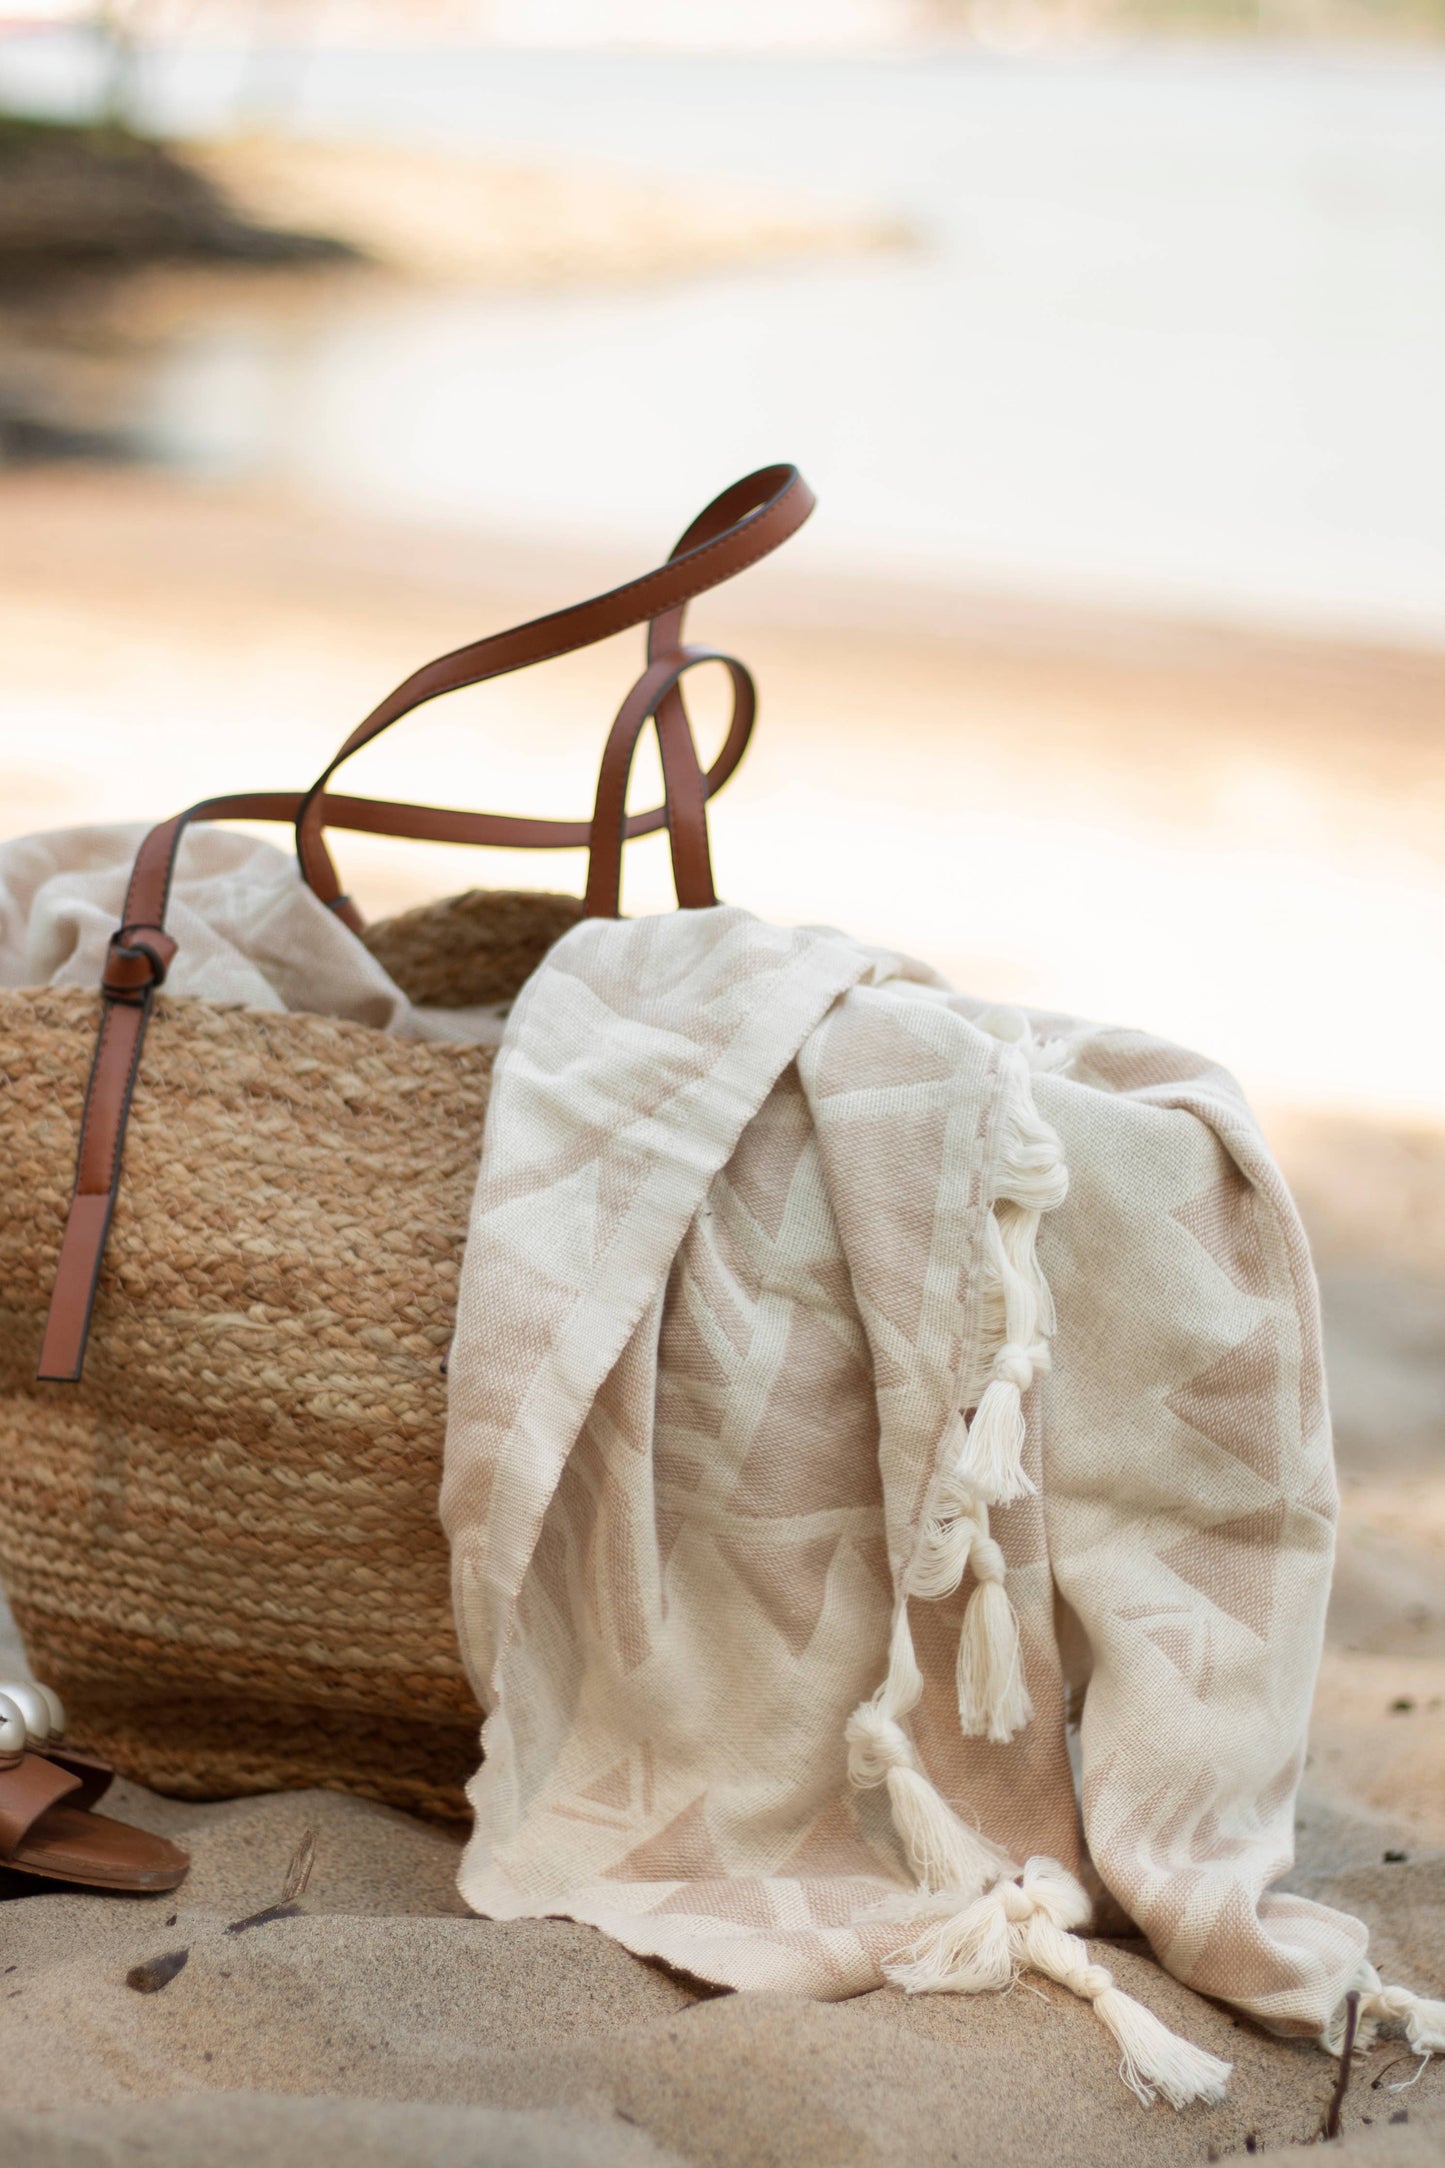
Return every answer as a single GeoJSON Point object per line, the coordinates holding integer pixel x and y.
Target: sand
{"type": "Point", "coordinates": [220, 631]}
{"type": "Point", "coordinates": [543, 2041]}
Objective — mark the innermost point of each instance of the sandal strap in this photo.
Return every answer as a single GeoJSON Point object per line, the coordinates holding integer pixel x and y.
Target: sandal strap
{"type": "Point", "coordinates": [27, 1788]}
{"type": "Point", "coordinates": [93, 1775]}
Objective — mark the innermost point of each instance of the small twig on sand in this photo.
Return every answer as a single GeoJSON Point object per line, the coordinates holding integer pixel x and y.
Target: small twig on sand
{"type": "Point", "coordinates": [1330, 2127]}
{"type": "Point", "coordinates": [298, 1874]}
{"type": "Point", "coordinates": [263, 1919]}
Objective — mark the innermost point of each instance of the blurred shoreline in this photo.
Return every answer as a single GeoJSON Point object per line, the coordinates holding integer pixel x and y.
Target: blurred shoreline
{"type": "Point", "coordinates": [116, 249]}
{"type": "Point", "coordinates": [1164, 333]}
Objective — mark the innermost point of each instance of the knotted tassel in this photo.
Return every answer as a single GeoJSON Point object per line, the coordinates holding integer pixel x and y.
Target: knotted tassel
{"type": "Point", "coordinates": [1423, 2020]}
{"type": "Point", "coordinates": [969, 1953]}
{"type": "Point", "coordinates": [949, 1527]}
{"type": "Point", "coordinates": [1018, 1309]}
{"type": "Point", "coordinates": [1153, 2060]}
{"type": "Point", "coordinates": [993, 1696]}
{"type": "Point", "coordinates": [1026, 1924]}
{"type": "Point", "coordinates": [944, 1853]}
{"type": "Point", "coordinates": [1032, 1173]}
{"type": "Point", "coordinates": [993, 1458]}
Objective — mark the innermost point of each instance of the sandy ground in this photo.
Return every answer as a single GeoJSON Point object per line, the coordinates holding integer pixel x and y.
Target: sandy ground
{"type": "Point", "coordinates": [543, 2041]}
{"type": "Point", "coordinates": [162, 643]}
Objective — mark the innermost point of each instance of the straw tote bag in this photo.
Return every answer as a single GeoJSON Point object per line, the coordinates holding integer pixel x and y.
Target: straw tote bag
{"type": "Point", "coordinates": [218, 1498]}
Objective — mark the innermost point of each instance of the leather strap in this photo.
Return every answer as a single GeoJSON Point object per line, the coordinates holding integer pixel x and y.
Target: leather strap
{"type": "Point", "coordinates": [745, 523]}
{"type": "Point", "coordinates": [141, 952]}
{"type": "Point", "coordinates": [27, 1788]}
{"type": "Point", "coordinates": [93, 1777]}
{"type": "Point", "coordinates": [742, 525]}
{"type": "Point", "coordinates": [655, 696]}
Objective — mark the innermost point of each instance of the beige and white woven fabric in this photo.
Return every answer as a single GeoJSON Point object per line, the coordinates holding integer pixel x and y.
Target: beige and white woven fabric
{"type": "Point", "coordinates": [248, 932]}
{"type": "Point", "coordinates": [800, 1555]}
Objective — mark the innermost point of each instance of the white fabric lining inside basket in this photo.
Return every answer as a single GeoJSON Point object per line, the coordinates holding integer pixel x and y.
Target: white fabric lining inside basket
{"type": "Point", "coordinates": [249, 931]}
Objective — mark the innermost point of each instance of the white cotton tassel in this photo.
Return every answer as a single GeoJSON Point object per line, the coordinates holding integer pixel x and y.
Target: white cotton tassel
{"type": "Point", "coordinates": [993, 1695]}
{"type": "Point", "coordinates": [1423, 2020]}
{"type": "Point", "coordinates": [993, 1460]}
{"type": "Point", "coordinates": [1032, 1172]}
{"type": "Point", "coordinates": [1048, 1888]}
{"type": "Point", "coordinates": [876, 1744]}
{"type": "Point", "coordinates": [1026, 1924]}
{"type": "Point", "coordinates": [1153, 2060]}
{"type": "Point", "coordinates": [944, 1853]}
{"type": "Point", "coordinates": [970, 1953]}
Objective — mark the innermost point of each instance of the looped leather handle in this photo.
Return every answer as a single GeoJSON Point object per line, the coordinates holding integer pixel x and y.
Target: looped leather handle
{"type": "Point", "coordinates": [735, 530]}
{"type": "Point", "coordinates": [744, 523]}
{"type": "Point", "coordinates": [654, 697]}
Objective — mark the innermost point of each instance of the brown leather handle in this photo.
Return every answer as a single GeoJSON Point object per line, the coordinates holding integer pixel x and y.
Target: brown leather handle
{"type": "Point", "coordinates": [653, 697]}
{"type": "Point", "coordinates": [505, 831]}
{"type": "Point", "coordinates": [738, 528]}
{"type": "Point", "coordinates": [141, 952]}
{"type": "Point", "coordinates": [744, 523]}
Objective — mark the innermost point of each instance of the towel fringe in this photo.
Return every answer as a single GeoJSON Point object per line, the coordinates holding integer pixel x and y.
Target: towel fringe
{"type": "Point", "coordinates": [1155, 2061]}
{"type": "Point", "coordinates": [1421, 2018]}
{"type": "Point", "coordinates": [943, 1851]}
{"type": "Point", "coordinates": [975, 1925]}
{"type": "Point", "coordinates": [1024, 1925]}
{"type": "Point", "coordinates": [980, 1461]}
{"type": "Point", "coordinates": [966, 1953]}
{"type": "Point", "coordinates": [993, 1698]}
{"type": "Point", "coordinates": [1016, 1305]}
{"type": "Point", "coordinates": [993, 1457]}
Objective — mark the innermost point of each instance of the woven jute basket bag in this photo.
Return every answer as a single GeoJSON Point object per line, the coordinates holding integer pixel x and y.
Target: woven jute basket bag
{"type": "Point", "coordinates": [232, 1239]}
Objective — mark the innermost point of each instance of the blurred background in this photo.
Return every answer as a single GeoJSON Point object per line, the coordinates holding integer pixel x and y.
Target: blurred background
{"type": "Point", "coordinates": [1109, 675]}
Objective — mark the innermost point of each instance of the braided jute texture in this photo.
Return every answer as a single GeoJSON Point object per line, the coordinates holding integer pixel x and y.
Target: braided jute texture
{"type": "Point", "coordinates": [222, 1547]}
{"type": "Point", "coordinates": [476, 948]}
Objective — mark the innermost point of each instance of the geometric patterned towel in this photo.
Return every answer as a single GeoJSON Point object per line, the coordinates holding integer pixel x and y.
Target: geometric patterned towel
{"type": "Point", "coordinates": [890, 1490]}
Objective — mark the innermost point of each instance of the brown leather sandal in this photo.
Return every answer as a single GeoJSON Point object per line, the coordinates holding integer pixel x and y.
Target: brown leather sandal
{"type": "Point", "coordinates": [47, 1790]}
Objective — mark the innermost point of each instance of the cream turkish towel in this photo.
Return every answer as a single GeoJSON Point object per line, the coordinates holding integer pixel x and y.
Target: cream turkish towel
{"type": "Point", "coordinates": [758, 1218]}
{"type": "Point", "coordinates": [248, 929]}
